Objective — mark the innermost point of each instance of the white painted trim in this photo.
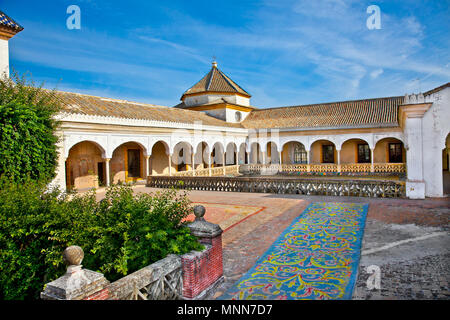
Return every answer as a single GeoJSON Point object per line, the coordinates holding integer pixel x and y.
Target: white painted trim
{"type": "Point", "coordinates": [75, 117]}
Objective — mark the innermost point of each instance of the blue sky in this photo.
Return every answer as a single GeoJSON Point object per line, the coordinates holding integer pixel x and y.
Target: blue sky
{"type": "Point", "coordinates": [282, 52]}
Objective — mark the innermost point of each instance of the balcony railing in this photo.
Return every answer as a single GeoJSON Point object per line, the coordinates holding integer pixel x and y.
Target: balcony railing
{"type": "Point", "coordinates": [326, 167]}
{"type": "Point", "coordinates": [205, 172]}
{"type": "Point", "coordinates": [270, 169]}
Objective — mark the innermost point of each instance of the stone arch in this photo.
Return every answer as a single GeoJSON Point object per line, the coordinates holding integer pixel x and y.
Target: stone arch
{"type": "Point", "coordinates": [202, 155]}
{"type": "Point", "coordinates": [367, 141]}
{"type": "Point", "coordinates": [242, 154]}
{"type": "Point", "coordinates": [159, 160]}
{"type": "Point", "coordinates": [85, 165]}
{"type": "Point", "coordinates": [294, 152]}
{"type": "Point", "coordinates": [391, 136]}
{"type": "Point", "coordinates": [182, 155]}
{"type": "Point", "coordinates": [119, 142]}
{"type": "Point", "coordinates": [217, 153]}
{"type": "Point", "coordinates": [383, 151]}
{"type": "Point", "coordinates": [231, 154]}
{"type": "Point", "coordinates": [355, 150]}
{"type": "Point", "coordinates": [72, 142]}
{"type": "Point", "coordinates": [272, 153]}
{"type": "Point", "coordinates": [255, 153]}
{"type": "Point", "coordinates": [323, 151]}
{"type": "Point", "coordinates": [128, 162]}
{"type": "Point", "coordinates": [315, 139]}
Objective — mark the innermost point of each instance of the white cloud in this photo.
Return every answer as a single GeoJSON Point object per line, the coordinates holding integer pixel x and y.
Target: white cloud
{"type": "Point", "coordinates": [375, 73]}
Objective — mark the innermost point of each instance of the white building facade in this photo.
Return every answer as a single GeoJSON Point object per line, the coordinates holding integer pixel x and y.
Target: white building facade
{"type": "Point", "coordinates": [215, 129]}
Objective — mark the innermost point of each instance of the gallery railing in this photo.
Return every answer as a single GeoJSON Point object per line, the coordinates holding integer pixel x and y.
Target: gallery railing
{"type": "Point", "coordinates": [283, 185]}
{"type": "Point", "coordinates": [325, 167]}
{"type": "Point", "coordinates": [205, 172]}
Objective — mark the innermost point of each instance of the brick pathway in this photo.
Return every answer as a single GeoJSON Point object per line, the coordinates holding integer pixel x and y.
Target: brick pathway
{"type": "Point", "coordinates": [246, 242]}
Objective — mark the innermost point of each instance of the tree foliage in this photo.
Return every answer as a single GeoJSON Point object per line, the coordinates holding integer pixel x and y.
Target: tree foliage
{"type": "Point", "coordinates": [119, 234]}
{"type": "Point", "coordinates": [27, 130]}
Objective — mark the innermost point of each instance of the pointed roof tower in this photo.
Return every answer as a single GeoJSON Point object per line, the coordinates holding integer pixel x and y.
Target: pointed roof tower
{"type": "Point", "coordinates": [218, 96]}
{"type": "Point", "coordinates": [215, 81]}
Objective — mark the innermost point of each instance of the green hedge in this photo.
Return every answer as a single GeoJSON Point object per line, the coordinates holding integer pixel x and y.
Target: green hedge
{"type": "Point", "coordinates": [27, 130]}
{"type": "Point", "coordinates": [119, 234]}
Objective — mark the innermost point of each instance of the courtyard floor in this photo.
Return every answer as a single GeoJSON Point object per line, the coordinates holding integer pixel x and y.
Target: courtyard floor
{"type": "Point", "coordinates": [409, 240]}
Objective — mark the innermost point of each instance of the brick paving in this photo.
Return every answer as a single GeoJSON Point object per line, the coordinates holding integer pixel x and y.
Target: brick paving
{"type": "Point", "coordinates": [417, 270]}
{"type": "Point", "coordinates": [425, 278]}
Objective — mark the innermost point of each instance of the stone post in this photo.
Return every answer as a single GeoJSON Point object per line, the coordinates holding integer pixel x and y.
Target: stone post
{"type": "Point", "coordinates": [372, 167]}
{"type": "Point", "coordinates": [170, 165]}
{"type": "Point", "coordinates": [308, 161]}
{"type": "Point", "coordinates": [203, 271]}
{"type": "Point", "coordinates": [338, 160]}
{"type": "Point", "coordinates": [147, 165]}
{"type": "Point", "coordinates": [108, 177]}
{"type": "Point", "coordinates": [209, 165]}
{"type": "Point", "coordinates": [77, 283]}
{"type": "Point", "coordinates": [193, 162]}
{"type": "Point", "coordinates": [223, 163]}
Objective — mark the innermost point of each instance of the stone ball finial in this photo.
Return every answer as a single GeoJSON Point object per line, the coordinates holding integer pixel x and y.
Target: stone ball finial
{"type": "Point", "coordinates": [199, 212]}
{"type": "Point", "coordinates": [73, 255]}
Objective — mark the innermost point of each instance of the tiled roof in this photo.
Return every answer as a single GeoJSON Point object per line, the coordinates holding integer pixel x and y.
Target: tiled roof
{"type": "Point", "coordinates": [359, 113]}
{"type": "Point", "coordinates": [216, 81]}
{"type": "Point", "coordinates": [6, 21]}
{"type": "Point", "coordinates": [90, 105]}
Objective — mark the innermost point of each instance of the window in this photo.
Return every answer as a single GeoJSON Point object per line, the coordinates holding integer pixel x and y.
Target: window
{"type": "Point", "coordinates": [238, 116]}
{"type": "Point", "coordinates": [363, 153]}
{"type": "Point", "coordinates": [327, 153]}
{"type": "Point", "coordinates": [300, 155]}
{"type": "Point", "coordinates": [395, 152]}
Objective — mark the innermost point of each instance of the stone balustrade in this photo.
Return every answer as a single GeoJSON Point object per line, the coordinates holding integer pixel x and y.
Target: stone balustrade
{"type": "Point", "coordinates": [190, 276]}
{"type": "Point", "coordinates": [270, 169]}
{"type": "Point", "coordinates": [285, 185]}
{"type": "Point", "coordinates": [325, 168]}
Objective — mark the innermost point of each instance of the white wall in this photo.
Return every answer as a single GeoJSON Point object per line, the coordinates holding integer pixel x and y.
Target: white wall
{"type": "Point", "coordinates": [208, 98]}
{"type": "Point", "coordinates": [231, 115]}
{"type": "Point", "coordinates": [435, 128]}
{"type": "Point", "coordinates": [4, 57]}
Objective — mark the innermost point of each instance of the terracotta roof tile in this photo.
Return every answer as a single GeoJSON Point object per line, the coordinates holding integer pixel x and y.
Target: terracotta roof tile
{"type": "Point", "coordinates": [216, 81]}
{"type": "Point", "coordinates": [369, 112]}
{"type": "Point", "coordinates": [91, 105]}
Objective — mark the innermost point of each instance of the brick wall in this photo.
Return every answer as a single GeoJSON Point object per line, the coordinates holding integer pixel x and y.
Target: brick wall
{"type": "Point", "coordinates": [202, 269]}
{"type": "Point", "coordinates": [99, 295]}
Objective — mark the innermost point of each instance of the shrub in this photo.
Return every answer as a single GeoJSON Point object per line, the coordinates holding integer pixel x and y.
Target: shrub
{"type": "Point", "coordinates": [27, 130]}
{"type": "Point", "coordinates": [119, 234]}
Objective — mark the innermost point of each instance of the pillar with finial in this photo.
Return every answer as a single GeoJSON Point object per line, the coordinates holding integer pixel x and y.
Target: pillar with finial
{"type": "Point", "coordinates": [77, 283]}
{"type": "Point", "coordinates": [203, 271]}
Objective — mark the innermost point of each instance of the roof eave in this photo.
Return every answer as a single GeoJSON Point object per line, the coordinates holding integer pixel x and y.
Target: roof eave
{"type": "Point", "coordinates": [359, 126]}
{"type": "Point", "coordinates": [213, 92]}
